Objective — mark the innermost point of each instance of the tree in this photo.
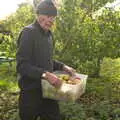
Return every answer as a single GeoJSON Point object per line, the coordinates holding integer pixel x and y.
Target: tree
{"type": "Point", "coordinates": [13, 24]}
{"type": "Point", "coordinates": [82, 41]}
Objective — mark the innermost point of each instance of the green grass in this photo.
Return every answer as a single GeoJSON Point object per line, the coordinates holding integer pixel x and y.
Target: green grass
{"type": "Point", "coordinates": [100, 102]}
{"type": "Point", "coordinates": [8, 79]}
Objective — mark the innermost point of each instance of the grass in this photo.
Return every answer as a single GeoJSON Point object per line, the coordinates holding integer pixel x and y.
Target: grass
{"type": "Point", "coordinates": [100, 102]}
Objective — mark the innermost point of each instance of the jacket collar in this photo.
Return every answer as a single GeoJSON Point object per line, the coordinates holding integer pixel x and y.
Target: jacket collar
{"type": "Point", "coordinates": [40, 28]}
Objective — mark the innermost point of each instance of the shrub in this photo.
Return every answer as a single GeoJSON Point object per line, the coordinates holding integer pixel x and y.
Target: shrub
{"type": "Point", "coordinates": [72, 111]}
{"type": "Point", "coordinates": [110, 68]}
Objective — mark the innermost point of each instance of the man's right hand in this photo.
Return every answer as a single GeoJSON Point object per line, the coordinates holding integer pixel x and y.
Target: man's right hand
{"type": "Point", "coordinates": [52, 79]}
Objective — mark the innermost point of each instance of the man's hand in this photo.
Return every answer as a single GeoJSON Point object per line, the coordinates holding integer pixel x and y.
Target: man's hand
{"type": "Point", "coordinates": [52, 79]}
{"type": "Point", "coordinates": [69, 70]}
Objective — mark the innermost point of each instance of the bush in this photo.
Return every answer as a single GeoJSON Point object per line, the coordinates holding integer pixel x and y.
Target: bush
{"type": "Point", "coordinates": [110, 68]}
{"type": "Point", "coordinates": [72, 111]}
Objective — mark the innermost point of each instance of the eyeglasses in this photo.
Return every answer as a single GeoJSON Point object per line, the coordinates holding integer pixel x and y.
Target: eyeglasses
{"type": "Point", "coordinates": [51, 18]}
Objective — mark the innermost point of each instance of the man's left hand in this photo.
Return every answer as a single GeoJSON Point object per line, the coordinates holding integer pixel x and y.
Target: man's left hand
{"type": "Point", "coordinates": [69, 70]}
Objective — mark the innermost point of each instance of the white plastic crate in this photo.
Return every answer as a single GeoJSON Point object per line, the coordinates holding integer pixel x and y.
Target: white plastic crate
{"type": "Point", "coordinates": [67, 92]}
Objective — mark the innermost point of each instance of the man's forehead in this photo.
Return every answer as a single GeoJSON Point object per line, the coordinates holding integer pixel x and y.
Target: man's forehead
{"type": "Point", "coordinates": [47, 16]}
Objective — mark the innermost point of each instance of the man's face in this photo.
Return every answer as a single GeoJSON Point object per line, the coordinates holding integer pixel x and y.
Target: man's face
{"type": "Point", "coordinates": [45, 21]}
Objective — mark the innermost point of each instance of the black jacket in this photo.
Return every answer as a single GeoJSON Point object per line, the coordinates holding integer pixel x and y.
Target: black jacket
{"type": "Point", "coordinates": [34, 56]}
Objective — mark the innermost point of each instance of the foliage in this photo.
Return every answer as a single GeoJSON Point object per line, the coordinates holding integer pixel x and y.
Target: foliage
{"type": "Point", "coordinates": [93, 5]}
{"type": "Point", "coordinates": [14, 23]}
{"type": "Point", "coordinates": [82, 41]}
{"type": "Point", "coordinates": [110, 68]}
{"type": "Point", "coordinates": [8, 89]}
{"type": "Point", "coordinates": [98, 103]}
{"type": "Point", "coordinates": [8, 76]}
{"type": "Point", "coordinates": [72, 111]}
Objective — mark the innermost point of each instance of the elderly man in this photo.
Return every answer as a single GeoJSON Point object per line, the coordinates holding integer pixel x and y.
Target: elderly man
{"type": "Point", "coordinates": [34, 62]}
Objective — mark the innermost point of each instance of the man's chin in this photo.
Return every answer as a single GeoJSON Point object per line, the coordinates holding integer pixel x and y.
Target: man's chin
{"type": "Point", "coordinates": [47, 28]}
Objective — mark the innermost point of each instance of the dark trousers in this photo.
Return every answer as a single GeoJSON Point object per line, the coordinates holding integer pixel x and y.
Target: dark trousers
{"type": "Point", "coordinates": [32, 105]}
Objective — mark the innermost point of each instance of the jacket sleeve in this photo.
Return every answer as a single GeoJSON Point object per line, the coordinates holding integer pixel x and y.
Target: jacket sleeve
{"type": "Point", "coordinates": [57, 65]}
{"type": "Point", "coordinates": [24, 55]}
